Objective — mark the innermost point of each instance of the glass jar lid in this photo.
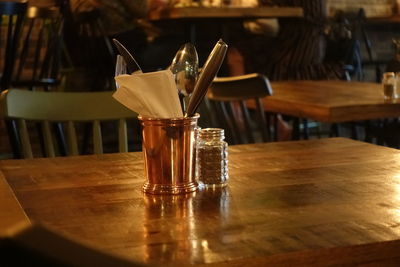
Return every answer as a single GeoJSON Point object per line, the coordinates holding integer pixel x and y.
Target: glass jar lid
{"type": "Point", "coordinates": [212, 133]}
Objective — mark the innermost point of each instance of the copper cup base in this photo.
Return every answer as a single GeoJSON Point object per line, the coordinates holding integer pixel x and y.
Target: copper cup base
{"type": "Point", "coordinates": [157, 189]}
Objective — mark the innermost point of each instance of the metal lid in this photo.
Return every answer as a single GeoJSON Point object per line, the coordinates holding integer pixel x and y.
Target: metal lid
{"type": "Point", "coordinates": [388, 75]}
{"type": "Point", "coordinates": [212, 133]}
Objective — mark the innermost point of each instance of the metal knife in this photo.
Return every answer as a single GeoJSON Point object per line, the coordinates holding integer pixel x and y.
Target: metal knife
{"type": "Point", "coordinates": [131, 63]}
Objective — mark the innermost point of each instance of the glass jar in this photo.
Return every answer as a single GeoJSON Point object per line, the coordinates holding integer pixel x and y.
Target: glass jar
{"type": "Point", "coordinates": [397, 87]}
{"type": "Point", "coordinates": [389, 85]}
{"type": "Point", "coordinates": [212, 157]}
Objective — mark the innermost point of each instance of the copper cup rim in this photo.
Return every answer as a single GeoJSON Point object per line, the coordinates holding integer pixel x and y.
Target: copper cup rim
{"type": "Point", "coordinates": [143, 118]}
{"type": "Point", "coordinates": [168, 121]}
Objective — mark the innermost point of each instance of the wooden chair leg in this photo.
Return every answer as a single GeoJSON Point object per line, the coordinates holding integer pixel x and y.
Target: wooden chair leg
{"type": "Point", "coordinates": [296, 128]}
{"type": "Point", "coordinates": [275, 118]}
{"type": "Point", "coordinates": [306, 133]}
{"type": "Point", "coordinates": [367, 132]}
{"type": "Point", "coordinates": [86, 138]}
{"type": "Point", "coordinates": [13, 136]}
{"type": "Point", "coordinates": [60, 138]}
{"type": "Point", "coordinates": [334, 132]}
{"type": "Point", "coordinates": [41, 139]}
{"type": "Point", "coordinates": [354, 132]}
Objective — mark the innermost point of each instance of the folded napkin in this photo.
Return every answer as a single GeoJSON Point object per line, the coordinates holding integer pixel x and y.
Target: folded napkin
{"type": "Point", "coordinates": [150, 94]}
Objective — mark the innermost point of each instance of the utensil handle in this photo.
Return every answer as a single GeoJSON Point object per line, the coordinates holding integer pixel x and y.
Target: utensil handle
{"type": "Point", "coordinates": [210, 69]}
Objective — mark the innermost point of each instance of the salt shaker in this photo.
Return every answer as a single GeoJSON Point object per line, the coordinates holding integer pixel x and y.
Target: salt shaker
{"type": "Point", "coordinates": [212, 157]}
{"type": "Point", "coordinates": [389, 85]}
{"type": "Point", "coordinates": [397, 88]}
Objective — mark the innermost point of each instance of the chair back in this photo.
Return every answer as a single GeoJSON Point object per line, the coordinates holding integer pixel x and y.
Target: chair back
{"type": "Point", "coordinates": [227, 102]}
{"type": "Point", "coordinates": [91, 52]}
{"type": "Point", "coordinates": [39, 53]}
{"type": "Point", "coordinates": [69, 108]}
{"type": "Point", "coordinates": [11, 18]}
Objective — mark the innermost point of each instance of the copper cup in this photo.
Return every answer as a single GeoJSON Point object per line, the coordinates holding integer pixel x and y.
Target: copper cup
{"type": "Point", "coordinates": [169, 154]}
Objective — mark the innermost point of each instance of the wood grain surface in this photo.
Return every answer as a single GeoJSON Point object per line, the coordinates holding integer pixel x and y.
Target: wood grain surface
{"type": "Point", "coordinates": [11, 212]}
{"type": "Point", "coordinates": [224, 12]}
{"type": "Point", "coordinates": [331, 101]}
{"type": "Point", "coordinates": [318, 202]}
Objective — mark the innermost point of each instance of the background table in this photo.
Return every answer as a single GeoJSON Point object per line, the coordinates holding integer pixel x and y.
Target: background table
{"type": "Point", "coordinates": [198, 20]}
{"type": "Point", "coordinates": [326, 201]}
{"type": "Point", "coordinates": [224, 12]}
{"type": "Point", "coordinates": [330, 101]}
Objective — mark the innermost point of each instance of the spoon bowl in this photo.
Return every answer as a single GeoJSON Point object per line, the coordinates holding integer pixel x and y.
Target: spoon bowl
{"type": "Point", "coordinates": [185, 67]}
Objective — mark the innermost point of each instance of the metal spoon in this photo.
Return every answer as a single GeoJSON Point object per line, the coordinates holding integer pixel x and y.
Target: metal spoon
{"type": "Point", "coordinates": [185, 66]}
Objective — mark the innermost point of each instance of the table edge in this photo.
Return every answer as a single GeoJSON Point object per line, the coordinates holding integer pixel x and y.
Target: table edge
{"type": "Point", "coordinates": [13, 200]}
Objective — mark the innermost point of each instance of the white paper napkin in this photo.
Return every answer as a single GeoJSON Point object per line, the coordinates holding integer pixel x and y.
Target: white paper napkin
{"type": "Point", "coordinates": [150, 94]}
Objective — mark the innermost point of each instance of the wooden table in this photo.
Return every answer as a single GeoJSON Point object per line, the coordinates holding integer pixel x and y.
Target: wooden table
{"type": "Point", "coordinates": [11, 212]}
{"type": "Point", "coordinates": [199, 19]}
{"type": "Point", "coordinates": [326, 201]}
{"type": "Point", "coordinates": [330, 101]}
{"type": "Point", "coordinates": [394, 19]}
{"type": "Point", "coordinates": [224, 12]}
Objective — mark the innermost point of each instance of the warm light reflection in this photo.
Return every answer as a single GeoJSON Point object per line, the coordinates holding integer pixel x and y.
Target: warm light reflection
{"type": "Point", "coordinates": [204, 244]}
{"type": "Point", "coordinates": [167, 237]}
{"type": "Point", "coordinates": [175, 226]}
{"type": "Point", "coordinates": [396, 210]}
{"type": "Point", "coordinates": [396, 180]}
{"type": "Point", "coordinates": [396, 197]}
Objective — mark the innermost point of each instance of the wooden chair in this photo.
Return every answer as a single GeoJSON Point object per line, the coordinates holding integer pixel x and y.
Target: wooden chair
{"type": "Point", "coordinates": [227, 104]}
{"type": "Point", "coordinates": [39, 54]}
{"type": "Point", "coordinates": [37, 245]}
{"type": "Point", "coordinates": [11, 19]}
{"type": "Point", "coordinates": [68, 108]}
{"type": "Point", "coordinates": [12, 15]}
{"type": "Point", "coordinates": [91, 52]}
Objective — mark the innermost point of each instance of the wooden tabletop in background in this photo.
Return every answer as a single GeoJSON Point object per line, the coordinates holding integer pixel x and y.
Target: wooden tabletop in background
{"type": "Point", "coordinates": [224, 12]}
{"type": "Point", "coordinates": [331, 101]}
{"type": "Point", "coordinates": [326, 201]}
